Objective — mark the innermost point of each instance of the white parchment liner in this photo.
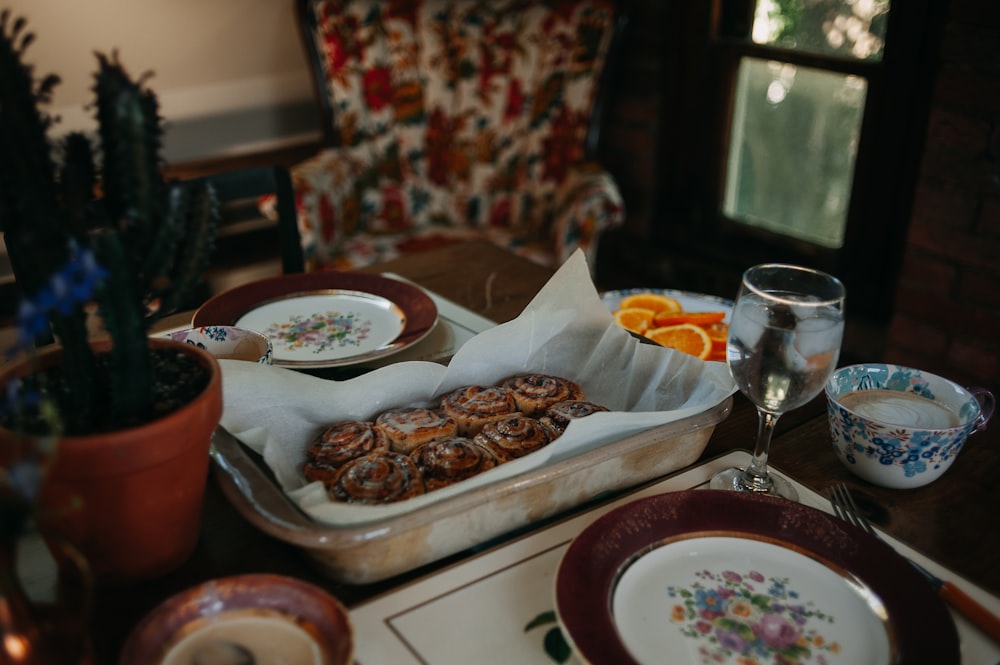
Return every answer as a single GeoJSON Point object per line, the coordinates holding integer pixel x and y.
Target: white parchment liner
{"type": "Point", "coordinates": [565, 330]}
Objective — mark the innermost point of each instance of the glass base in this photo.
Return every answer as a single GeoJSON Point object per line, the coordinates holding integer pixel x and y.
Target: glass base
{"type": "Point", "coordinates": [739, 480]}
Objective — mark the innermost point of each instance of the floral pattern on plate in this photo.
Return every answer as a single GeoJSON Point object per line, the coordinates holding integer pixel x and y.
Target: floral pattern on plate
{"type": "Point", "coordinates": [313, 329]}
{"type": "Point", "coordinates": [401, 314]}
{"type": "Point", "coordinates": [750, 617]}
{"type": "Point", "coordinates": [320, 331]}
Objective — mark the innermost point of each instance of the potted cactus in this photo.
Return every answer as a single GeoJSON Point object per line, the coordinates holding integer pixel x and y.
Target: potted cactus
{"type": "Point", "coordinates": [102, 248]}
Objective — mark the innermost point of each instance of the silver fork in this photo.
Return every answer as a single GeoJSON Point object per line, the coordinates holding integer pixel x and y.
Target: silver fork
{"type": "Point", "coordinates": [846, 509]}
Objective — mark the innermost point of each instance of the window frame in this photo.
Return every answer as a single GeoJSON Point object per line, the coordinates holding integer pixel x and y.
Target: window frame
{"type": "Point", "coordinates": [704, 45]}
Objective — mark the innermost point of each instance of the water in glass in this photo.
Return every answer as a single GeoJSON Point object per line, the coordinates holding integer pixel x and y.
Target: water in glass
{"type": "Point", "coordinates": [781, 358]}
{"type": "Point", "coordinates": [783, 345]}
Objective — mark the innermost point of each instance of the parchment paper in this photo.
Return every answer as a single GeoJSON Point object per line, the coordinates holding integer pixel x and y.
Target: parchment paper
{"type": "Point", "coordinates": [565, 330]}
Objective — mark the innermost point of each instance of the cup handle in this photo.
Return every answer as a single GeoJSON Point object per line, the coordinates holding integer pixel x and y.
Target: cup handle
{"type": "Point", "coordinates": [987, 403]}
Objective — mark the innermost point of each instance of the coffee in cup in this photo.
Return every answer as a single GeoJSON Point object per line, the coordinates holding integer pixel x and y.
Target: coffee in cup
{"type": "Point", "coordinates": [900, 408]}
{"type": "Point", "coordinates": [898, 426]}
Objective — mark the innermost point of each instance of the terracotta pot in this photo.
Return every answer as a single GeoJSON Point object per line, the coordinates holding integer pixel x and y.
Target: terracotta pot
{"type": "Point", "coordinates": [131, 500]}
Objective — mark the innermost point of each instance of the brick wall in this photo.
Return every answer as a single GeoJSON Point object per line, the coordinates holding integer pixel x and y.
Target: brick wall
{"type": "Point", "coordinates": [633, 113]}
{"type": "Point", "coordinates": [947, 309]}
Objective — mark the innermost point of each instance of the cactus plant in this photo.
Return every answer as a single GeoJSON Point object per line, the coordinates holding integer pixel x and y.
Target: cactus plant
{"type": "Point", "coordinates": [81, 232]}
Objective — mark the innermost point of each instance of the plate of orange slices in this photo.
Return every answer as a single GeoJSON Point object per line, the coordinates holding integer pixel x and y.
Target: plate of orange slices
{"type": "Point", "coordinates": [694, 323]}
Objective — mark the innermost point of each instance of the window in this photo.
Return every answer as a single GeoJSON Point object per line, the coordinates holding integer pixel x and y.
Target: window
{"type": "Point", "coordinates": [792, 149]}
{"type": "Point", "coordinates": [795, 128]}
{"type": "Point", "coordinates": [793, 131]}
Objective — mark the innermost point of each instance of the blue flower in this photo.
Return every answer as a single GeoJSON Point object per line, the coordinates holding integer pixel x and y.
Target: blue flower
{"type": "Point", "coordinates": [32, 322]}
{"type": "Point", "coordinates": [71, 286]}
{"type": "Point", "coordinates": [83, 273]}
{"type": "Point", "coordinates": [18, 397]}
{"type": "Point", "coordinates": [709, 601]}
{"type": "Point", "coordinates": [25, 478]}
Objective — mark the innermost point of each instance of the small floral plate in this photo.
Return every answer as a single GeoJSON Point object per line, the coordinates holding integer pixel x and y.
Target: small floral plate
{"type": "Point", "coordinates": [710, 576]}
{"type": "Point", "coordinates": [326, 319]}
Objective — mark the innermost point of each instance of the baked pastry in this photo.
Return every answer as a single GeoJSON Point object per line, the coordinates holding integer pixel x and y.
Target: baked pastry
{"type": "Point", "coordinates": [412, 426]}
{"type": "Point", "coordinates": [375, 479]}
{"type": "Point", "coordinates": [345, 440]}
{"type": "Point", "coordinates": [558, 416]}
{"type": "Point", "coordinates": [513, 436]}
{"type": "Point", "coordinates": [321, 471]}
{"type": "Point", "coordinates": [534, 393]}
{"type": "Point", "coordinates": [474, 406]}
{"type": "Point", "coordinates": [447, 461]}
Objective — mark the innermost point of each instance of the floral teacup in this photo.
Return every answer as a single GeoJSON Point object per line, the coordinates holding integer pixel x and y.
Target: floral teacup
{"type": "Point", "coordinates": [228, 342]}
{"type": "Point", "coordinates": [901, 427]}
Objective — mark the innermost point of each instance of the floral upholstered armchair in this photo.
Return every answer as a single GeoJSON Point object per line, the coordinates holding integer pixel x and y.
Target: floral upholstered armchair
{"type": "Point", "coordinates": [453, 119]}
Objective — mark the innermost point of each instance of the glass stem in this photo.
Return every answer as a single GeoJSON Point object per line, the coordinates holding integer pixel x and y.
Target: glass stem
{"type": "Point", "coordinates": [756, 477]}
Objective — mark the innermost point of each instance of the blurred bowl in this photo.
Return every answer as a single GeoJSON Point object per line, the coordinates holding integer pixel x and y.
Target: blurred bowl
{"type": "Point", "coordinates": [261, 618]}
{"type": "Point", "coordinates": [901, 427]}
{"type": "Point", "coordinates": [228, 342]}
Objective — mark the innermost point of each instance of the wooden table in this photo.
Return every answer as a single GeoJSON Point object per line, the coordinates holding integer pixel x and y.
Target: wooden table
{"type": "Point", "coordinates": [953, 521]}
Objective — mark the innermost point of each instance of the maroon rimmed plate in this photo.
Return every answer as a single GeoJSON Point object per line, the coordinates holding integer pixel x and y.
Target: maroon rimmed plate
{"type": "Point", "coordinates": [244, 618]}
{"type": "Point", "coordinates": [326, 319]}
{"type": "Point", "coordinates": [716, 576]}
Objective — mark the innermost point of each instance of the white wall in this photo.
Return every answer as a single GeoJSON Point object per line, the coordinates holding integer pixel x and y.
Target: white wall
{"type": "Point", "coordinates": [230, 75]}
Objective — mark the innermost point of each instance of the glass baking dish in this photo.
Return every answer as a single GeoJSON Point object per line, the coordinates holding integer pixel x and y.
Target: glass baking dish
{"type": "Point", "coordinates": [379, 549]}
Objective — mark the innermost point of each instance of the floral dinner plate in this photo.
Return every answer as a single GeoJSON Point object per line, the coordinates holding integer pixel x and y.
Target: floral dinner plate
{"type": "Point", "coordinates": [326, 319]}
{"type": "Point", "coordinates": [710, 576]}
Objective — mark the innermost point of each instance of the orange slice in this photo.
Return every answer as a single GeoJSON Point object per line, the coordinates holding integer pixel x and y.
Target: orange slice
{"type": "Point", "coordinates": [717, 332]}
{"type": "Point", "coordinates": [636, 319]}
{"type": "Point", "coordinates": [698, 318]}
{"type": "Point", "coordinates": [654, 301]}
{"type": "Point", "coordinates": [685, 337]}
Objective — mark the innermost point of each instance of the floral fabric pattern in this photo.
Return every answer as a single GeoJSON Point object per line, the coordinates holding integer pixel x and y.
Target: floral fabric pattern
{"type": "Point", "coordinates": [457, 119]}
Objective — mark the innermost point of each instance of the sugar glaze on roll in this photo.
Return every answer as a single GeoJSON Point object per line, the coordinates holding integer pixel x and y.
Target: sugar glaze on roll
{"type": "Point", "coordinates": [407, 451]}
{"type": "Point", "coordinates": [514, 436]}
{"type": "Point", "coordinates": [534, 393]}
{"type": "Point", "coordinates": [559, 415]}
{"type": "Point", "coordinates": [412, 426]}
{"type": "Point", "coordinates": [474, 406]}
{"type": "Point", "coordinates": [338, 444]}
{"type": "Point", "coordinates": [447, 461]}
{"type": "Point", "coordinates": [375, 479]}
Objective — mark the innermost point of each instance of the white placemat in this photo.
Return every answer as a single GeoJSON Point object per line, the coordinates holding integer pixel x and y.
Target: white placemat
{"type": "Point", "coordinates": [497, 607]}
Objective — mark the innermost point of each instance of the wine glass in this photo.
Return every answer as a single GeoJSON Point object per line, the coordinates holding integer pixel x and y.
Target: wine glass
{"type": "Point", "coordinates": [783, 345]}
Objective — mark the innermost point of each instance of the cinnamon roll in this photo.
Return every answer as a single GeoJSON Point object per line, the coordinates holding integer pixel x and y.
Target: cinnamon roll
{"type": "Point", "coordinates": [558, 416]}
{"type": "Point", "coordinates": [447, 461]}
{"type": "Point", "coordinates": [321, 471]}
{"type": "Point", "coordinates": [345, 440]}
{"type": "Point", "coordinates": [474, 406]}
{"type": "Point", "coordinates": [409, 427]}
{"type": "Point", "coordinates": [534, 393]}
{"type": "Point", "coordinates": [514, 436]}
{"type": "Point", "coordinates": [375, 479]}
